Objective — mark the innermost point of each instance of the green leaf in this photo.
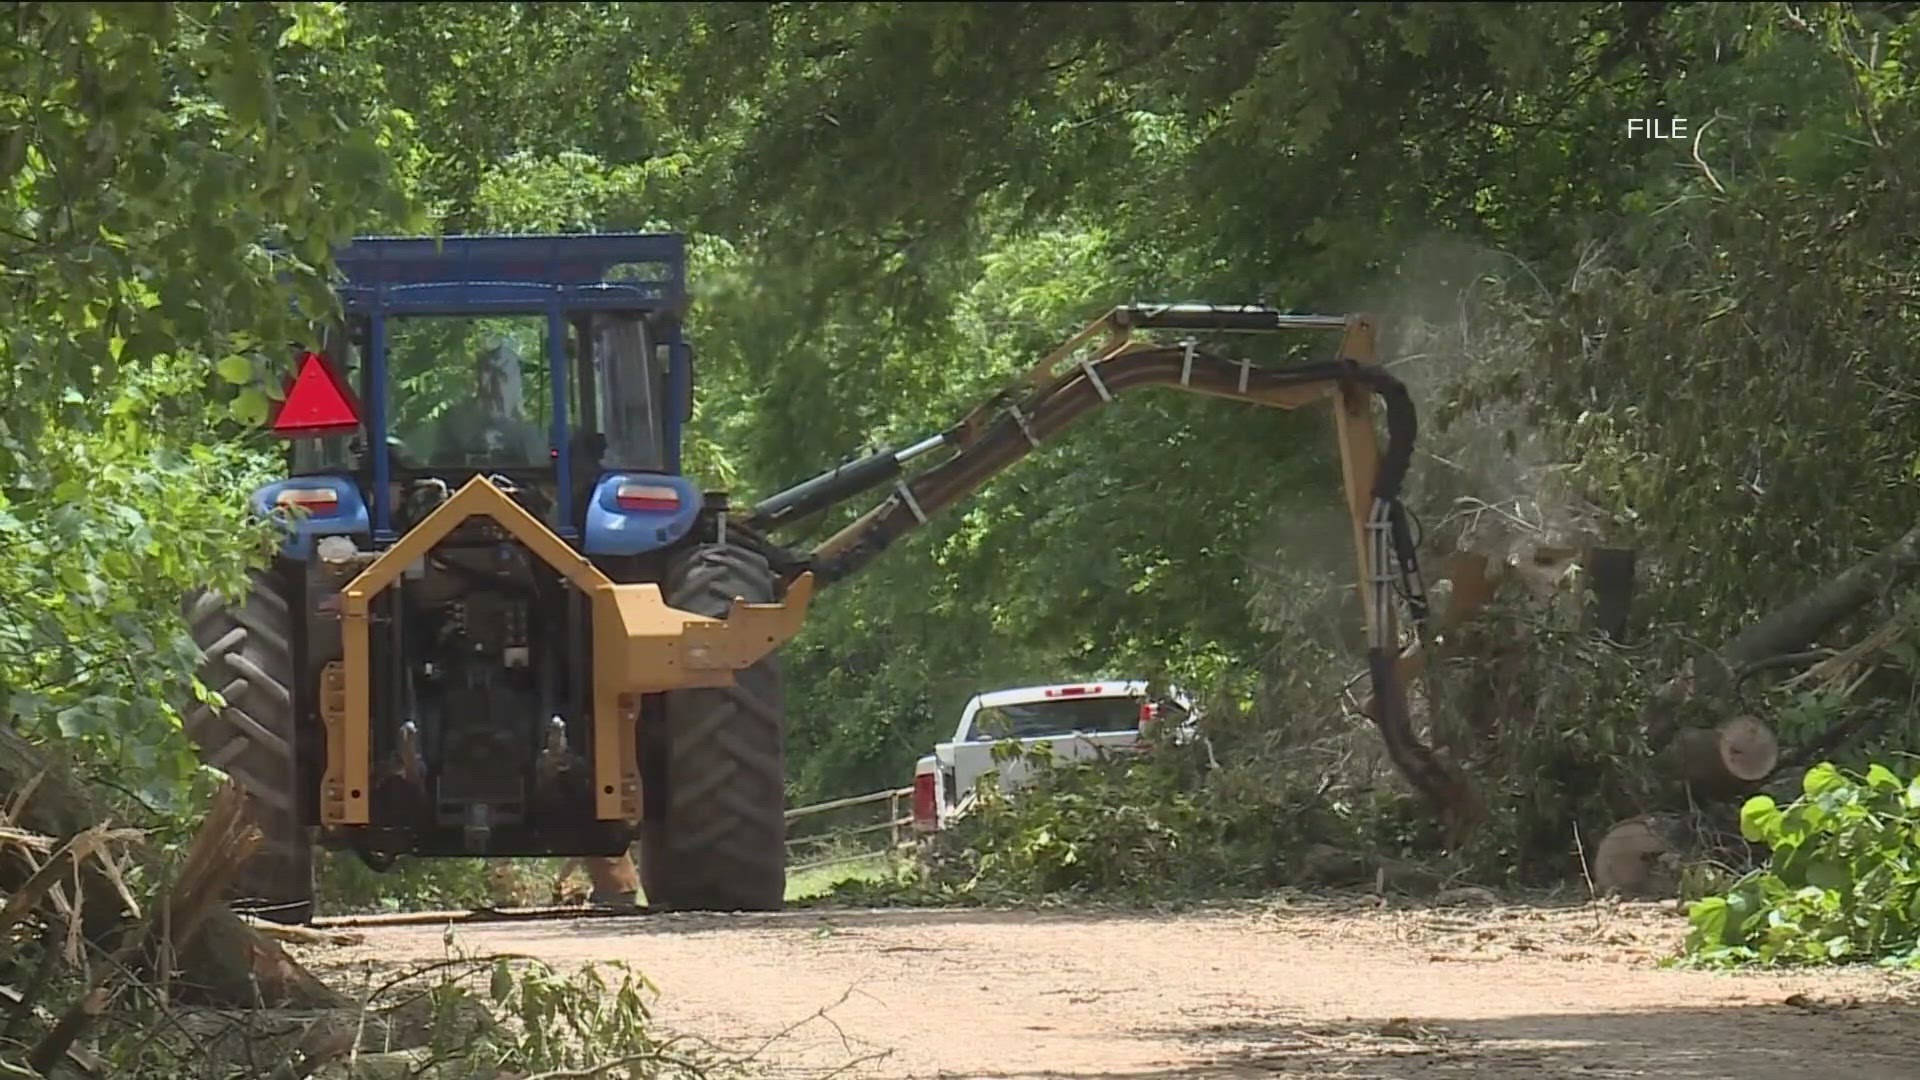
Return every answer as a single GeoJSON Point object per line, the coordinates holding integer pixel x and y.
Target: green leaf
{"type": "Point", "coordinates": [1709, 919]}
{"type": "Point", "coordinates": [250, 406]}
{"type": "Point", "coordinates": [1821, 779]}
{"type": "Point", "coordinates": [1830, 875]}
{"type": "Point", "coordinates": [1742, 905]}
{"type": "Point", "coordinates": [76, 722]}
{"type": "Point", "coordinates": [1759, 819]}
{"type": "Point", "coordinates": [235, 369]}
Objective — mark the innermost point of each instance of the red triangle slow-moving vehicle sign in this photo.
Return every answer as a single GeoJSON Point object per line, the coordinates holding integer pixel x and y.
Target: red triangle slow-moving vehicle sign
{"type": "Point", "coordinates": [318, 402]}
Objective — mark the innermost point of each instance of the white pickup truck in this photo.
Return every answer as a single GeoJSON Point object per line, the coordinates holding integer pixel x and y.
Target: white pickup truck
{"type": "Point", "coordinates": [1075, 720]}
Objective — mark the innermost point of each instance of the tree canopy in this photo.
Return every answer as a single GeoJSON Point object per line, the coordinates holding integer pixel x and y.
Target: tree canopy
{"type": "Point", "coordinates": [1701, 346]}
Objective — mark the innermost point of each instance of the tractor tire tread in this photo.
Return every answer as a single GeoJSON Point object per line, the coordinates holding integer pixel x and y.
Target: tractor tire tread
{"type": "Point", "coordinates": [722, 846]}
{"type": "Point", "coordinates": [247, 656]}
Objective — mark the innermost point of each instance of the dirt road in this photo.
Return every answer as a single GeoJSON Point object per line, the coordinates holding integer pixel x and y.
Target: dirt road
{"type": "Point", "coordinates": [1301, 990]}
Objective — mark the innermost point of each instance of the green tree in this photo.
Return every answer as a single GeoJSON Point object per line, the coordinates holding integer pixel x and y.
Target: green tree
{"type": "Point", "coordinates": [171, 179]}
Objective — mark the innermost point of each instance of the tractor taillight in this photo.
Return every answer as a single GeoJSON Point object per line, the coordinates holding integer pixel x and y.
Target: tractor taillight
{"type": "Point", "coordinates": [317, 502]}
{"type": "Point", "coordinates": [646, 497]}
{"type": "Point", "coordinates": [926, 812]}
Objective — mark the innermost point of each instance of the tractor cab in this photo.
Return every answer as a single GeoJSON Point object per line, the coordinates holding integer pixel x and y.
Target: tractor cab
{"type": "Point", "coordinates": [553, 364]}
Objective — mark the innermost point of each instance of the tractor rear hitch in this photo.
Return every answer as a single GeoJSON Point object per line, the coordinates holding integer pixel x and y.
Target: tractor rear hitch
{"type": "Point", "coordinates": [640, 645]}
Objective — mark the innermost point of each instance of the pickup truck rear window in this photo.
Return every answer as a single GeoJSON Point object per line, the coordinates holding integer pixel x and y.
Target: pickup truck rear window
{"type": "Point", "coordinates": [1039, 719]}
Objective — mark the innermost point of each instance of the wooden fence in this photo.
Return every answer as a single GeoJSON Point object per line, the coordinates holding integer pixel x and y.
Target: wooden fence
{"type": "Point", "coordinates": [862, 831]}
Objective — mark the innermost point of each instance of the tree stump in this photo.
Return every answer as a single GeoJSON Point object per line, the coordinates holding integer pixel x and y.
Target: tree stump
{"type": "Point", "coordinates": [615, 880]}
{"type": "Point", "coordinates": [1637, 859]}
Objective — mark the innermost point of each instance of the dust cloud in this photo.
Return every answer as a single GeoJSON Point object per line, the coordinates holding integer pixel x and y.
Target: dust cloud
{"type": "Point", "coordinates": [1459, 327]}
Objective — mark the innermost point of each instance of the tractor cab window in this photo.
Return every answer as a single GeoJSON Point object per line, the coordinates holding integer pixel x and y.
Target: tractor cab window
{"type": "Point", "coordinates": [623, 387]}
{"type": "Point", "coordinates": [475, 392]}
{"type": "Point", "coordinates": [470, 392]}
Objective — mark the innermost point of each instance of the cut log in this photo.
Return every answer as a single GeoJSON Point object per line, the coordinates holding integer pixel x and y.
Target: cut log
{"type": "Point", "coordinates": [1472, 583]}
{"type": "Point", "coordinates": [614, 880]}
{"type": "Point", "coordinates": [1543, 572]}
{"type": "Point", "coordinates": [1731, 759]}
{"type": "Point", "coordinates": [1637, 859]}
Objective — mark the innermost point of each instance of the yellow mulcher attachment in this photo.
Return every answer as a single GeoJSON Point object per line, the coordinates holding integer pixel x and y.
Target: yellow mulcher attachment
{"type": "Point", "coordinates": [640, 646]}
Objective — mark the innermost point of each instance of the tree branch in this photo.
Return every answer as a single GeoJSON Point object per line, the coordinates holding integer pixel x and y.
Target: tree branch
{"type": "Point", "coordinates": [1787, 629]}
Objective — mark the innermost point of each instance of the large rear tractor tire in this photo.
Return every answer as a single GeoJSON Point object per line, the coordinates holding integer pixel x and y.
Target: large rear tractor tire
{"type": "Point", "coordinates": [248, 658]}
{"type": "Point", "coordinates": [715, 834]}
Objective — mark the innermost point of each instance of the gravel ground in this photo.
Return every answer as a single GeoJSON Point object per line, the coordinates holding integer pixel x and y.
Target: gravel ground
{"type": "Point", "coordinates": [1311, 988]}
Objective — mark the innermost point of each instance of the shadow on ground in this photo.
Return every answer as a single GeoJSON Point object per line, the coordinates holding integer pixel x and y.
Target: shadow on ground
{"type": "Point", "coordinates": [1857, 1042]}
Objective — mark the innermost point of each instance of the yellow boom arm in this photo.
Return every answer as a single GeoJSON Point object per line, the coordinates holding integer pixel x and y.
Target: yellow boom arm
{"type": "Point", "coordinates": [1108, 358]}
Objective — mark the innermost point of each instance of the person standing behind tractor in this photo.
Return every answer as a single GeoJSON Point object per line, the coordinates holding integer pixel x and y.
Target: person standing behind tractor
{"type": "Point", "coordinates": [491, 429]}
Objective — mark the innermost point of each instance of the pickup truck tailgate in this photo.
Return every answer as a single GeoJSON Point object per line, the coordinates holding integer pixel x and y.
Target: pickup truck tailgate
{"type": "Point", "coordinates": [972, 759]}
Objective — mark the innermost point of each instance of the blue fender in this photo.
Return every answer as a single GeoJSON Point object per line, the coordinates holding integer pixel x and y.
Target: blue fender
{"type": "Point", "coordinates": [348, 517]}
{"type": "Point", "coordinates": [616, 530]}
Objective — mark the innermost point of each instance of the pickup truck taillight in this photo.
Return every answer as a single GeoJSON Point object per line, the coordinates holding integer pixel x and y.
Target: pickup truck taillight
{"type": "Point", "coordinates": [926, 811]}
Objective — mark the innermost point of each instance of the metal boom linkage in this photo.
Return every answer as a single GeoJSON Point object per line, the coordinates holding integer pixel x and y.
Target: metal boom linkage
{"type": "Point", "coordinates": [1071, 382]}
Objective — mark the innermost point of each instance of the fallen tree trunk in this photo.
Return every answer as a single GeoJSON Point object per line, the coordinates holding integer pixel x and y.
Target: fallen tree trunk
{"type": "Point", "coordinates": [223, 842]}
{"type": "Point", "coordinates": [1728, 760]}
{"type": "Point", "coordinates": [226, 961]}
{"type": "Point", "coordinates": [1644, 857]}
{"type": "Point", "coordinates": [1787, 629]}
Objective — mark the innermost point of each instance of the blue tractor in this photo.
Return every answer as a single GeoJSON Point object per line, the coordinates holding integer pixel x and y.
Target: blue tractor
{"type": "Point", "coordinates": [486, 529]}
{"type": "Point", "coordinates": [501, 622]}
